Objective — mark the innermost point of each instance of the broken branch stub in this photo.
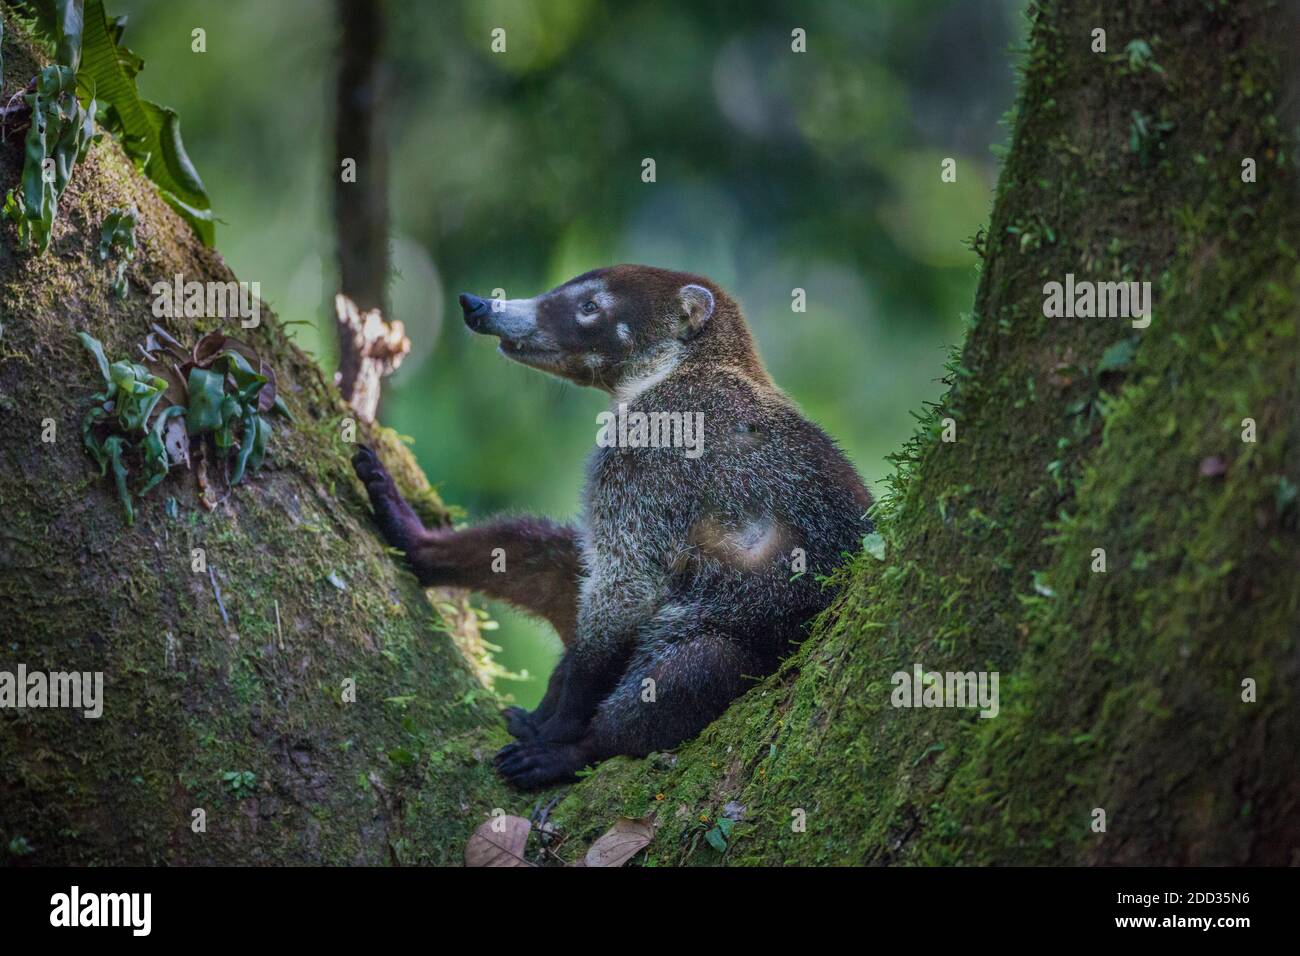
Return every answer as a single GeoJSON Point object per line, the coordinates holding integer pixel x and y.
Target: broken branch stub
{"type": "Point", "coordinates": [369, 349]}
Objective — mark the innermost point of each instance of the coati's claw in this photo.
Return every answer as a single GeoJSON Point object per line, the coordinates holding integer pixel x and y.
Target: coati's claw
{"type": "Point", "coordinates": [520, 724]}
{"type": "Point", "coordinates": [368, 467]}
{"type": "Point", "coordinates": [505, 752]}
{"type": "Point", "coordinates": [532, 766]}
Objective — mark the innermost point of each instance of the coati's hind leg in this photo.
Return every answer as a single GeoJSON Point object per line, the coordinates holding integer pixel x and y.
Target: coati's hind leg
{"type": "Point", "coordinates": [694, 680]}
{"type": "Point", "coordinates": [581, 679]}
{"type": "Point", "coordinates": [523, 724]}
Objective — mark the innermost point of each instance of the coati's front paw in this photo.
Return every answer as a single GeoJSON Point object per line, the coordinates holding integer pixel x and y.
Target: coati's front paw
{"type": "Point", "coordinates": [398, 522]}
{"type": "Point", "coordinates": [520, 724]}
{"type": "Point", "coordinates": [532, 766]}
{"type": "Point", "coordinates": [371, 471]}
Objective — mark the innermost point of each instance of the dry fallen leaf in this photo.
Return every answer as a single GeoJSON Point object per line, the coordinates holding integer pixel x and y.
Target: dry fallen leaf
{"type": "Point", "coordinates": [623, 841]}
{"type": "Point", "coordinates": [498, 842]}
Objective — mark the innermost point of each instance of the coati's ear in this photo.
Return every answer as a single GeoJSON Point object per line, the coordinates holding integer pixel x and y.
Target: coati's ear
{"type": "Point", "coordinates": [696, 310]}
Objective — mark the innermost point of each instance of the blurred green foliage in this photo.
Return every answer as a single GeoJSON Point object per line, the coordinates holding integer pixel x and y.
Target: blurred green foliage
{"type": "Point", "coordinates": [776, 170]}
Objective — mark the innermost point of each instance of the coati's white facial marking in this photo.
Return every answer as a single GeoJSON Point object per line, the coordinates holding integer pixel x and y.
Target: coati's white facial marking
{"type": "Point", "coordinates": [593, 301]}
{"type": "Point", "coordinates": [624, 333]}
{"type": "Point", "coordinates": [650, 375]}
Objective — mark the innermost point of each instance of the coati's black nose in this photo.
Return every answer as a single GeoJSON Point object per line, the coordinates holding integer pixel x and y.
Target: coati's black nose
{"type": "Point", "coordinates": [475, 309]}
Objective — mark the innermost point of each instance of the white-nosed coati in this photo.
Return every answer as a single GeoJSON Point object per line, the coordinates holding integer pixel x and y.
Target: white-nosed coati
{"type": "Point", "coordinates": [681, 583]}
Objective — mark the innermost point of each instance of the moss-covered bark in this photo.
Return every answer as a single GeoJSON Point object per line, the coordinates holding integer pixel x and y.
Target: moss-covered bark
{"type": "Point", "coordinates": [1119, 690]}
{"type": "Point", "coordinates": [310, 599]}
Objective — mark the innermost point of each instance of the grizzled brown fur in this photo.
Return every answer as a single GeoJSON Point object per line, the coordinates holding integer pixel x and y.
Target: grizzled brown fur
{"type": "Point", "coordinates": [678, 586]}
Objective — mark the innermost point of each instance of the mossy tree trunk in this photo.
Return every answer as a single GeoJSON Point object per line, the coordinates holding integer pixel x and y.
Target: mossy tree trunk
{"type": "Point", "coordinates": [1120, 690]}
{"type": "Point", "coordinates": [239, 669]}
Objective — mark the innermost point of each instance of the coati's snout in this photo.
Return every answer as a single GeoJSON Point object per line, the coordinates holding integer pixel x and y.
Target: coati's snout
{"type": "Point", "coordinates": [514, 322]}
{"type": "Point", "coordinates": [610, 327]}
{"type": "Point", "coordinates": [475, 310]}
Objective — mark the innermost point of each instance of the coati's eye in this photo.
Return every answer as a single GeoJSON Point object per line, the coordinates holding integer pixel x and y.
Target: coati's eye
{"type": "Point", "coordinates": [589, 308]}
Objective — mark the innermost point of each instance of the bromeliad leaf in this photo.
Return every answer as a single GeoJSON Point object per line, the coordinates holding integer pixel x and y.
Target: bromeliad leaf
{"type": "Point", "coordinates": [155, 449]}
{"type": "Point", "coordinates": [151, 134]}
{"type": "Point", "coordinates": [225, 396]}
{"type": "Point", "coordinates": [117, 237]}
{"type": "Point", "coordinates": [155, 461]}
{"type": "Point", "coordinates": [93, 444]}
{"type": "Point", "coordinates": [259, 444]}
{"type": "Point", "coordinates": [137, 392]}
{"type": "Point", "coordinates": [60, 21]}
{"type": "Point", "coordinates": [60, 133]}
{"type": "Point", "coordinates": [69, 24]}
{"type": "Point", "coordinates": [225, 435]}
{"type": "Point", "coordinates": [248, 383]}
{"type": "Point", "coordinates": [211, 409]}
{"type": "Point", "coordinates": [113, 446]}
{"type": "Point", "coordinates": [248, 445]}
{"type": "Point", "coordinates": [250, 374]}
{"type": "Point", "coordinates": [88, 46]}
{"type": "Point", "coordinates": [130, 390]}
{"type": "Point", "coordinates": [97, 350]}
{"type": "Point", "coordinates": [207, 391]}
